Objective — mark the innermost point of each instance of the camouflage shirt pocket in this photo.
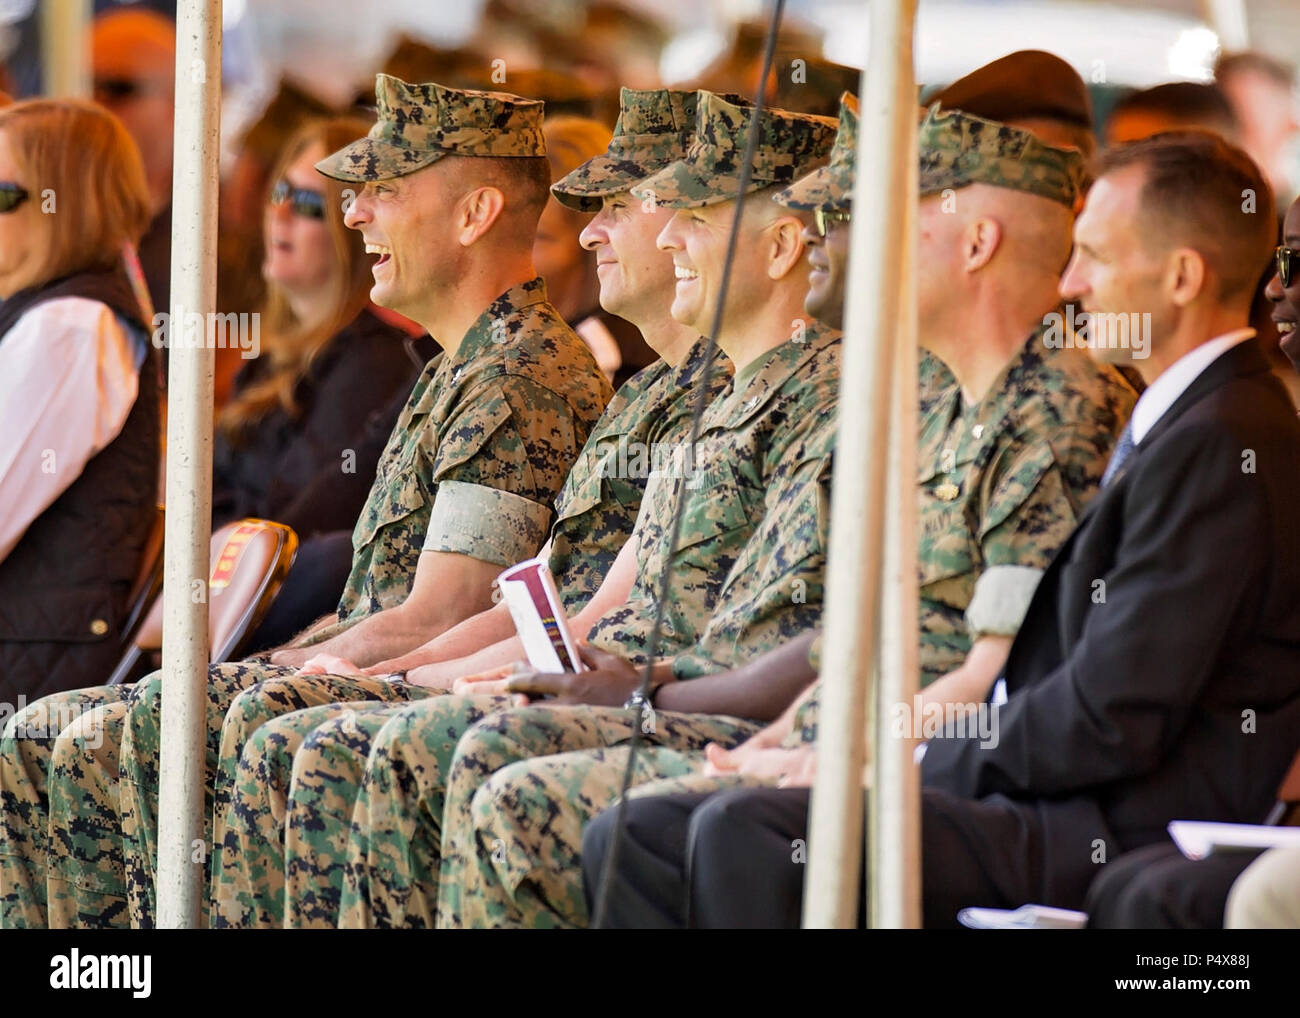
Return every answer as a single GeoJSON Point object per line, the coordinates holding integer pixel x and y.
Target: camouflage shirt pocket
{"type": "Point", "coordinates": [455, 445]}
{"type": "Point", "coordinates": [948, 554]}
{"type": "Point", "coordinates": [393, 498]}
{"type": "Point", "coordinates": [717, 504]}
{"type": "Point", "coordinates": [582, 494]}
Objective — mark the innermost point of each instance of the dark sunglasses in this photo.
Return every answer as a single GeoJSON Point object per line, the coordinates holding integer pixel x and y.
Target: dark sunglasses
{"type": "Point", "coordinates": [822, 219]}
{"type": "Point", "coordinates": [11, 196]}
{"type": "Point", "coordinates": [308, 204]}
{"type": "Point", "coordinates": [1284, 256]}
{"type": "Point", "coordinates": [118, 89]}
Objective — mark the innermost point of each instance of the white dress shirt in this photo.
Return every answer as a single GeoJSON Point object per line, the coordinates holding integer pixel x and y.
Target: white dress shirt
{"type": "Point", "coordinates": [69, 375]}
{"type": "Point", "coordinates": [1175, 380]}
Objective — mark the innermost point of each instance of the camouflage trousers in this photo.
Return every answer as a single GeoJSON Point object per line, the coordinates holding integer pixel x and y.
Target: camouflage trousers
{"type": "Point", "coordinates": [34, 888]}
{"type": "Point", "coordinates": [283, 838]}
{"type": "Point", "coordinates": [522, 786]}
{"type": "Point", "coordinates": [240, 697]}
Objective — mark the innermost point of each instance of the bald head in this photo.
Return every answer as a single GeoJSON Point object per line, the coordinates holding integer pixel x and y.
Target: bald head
{"type": "Point", "coordinates": [988, 249]}
{"type": "Point", "coordinates": [131, 39]}
{"type": "Point", "coordinates": [1029, 233]}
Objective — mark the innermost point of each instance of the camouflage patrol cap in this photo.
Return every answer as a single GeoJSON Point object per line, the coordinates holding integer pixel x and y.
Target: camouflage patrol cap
{"type": "Point", "coordinates": [653, 130]}
{"type": "Point", "coordinates": [789, 145]}
{"type": "Point", "coordinates": [958, 149]}
{"type": "Point", "coordinates": [829, 187]}
{"type": "Point", "coordinates": [419, 124]}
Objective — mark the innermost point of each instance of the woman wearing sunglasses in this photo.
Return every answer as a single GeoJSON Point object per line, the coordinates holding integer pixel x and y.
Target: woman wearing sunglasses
{"type": "Point", "coordinates": [292, 443]}
{"type": "Point", "coordinates": [327, 362]}
{"type": "Point", "coordinates": [78, 394]}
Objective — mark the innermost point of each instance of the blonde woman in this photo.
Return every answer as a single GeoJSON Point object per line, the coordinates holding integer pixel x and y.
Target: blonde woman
{"type": "Point", "coordinates": [78, 394]}
{"type": "Point", "coordinates": [327, 362]}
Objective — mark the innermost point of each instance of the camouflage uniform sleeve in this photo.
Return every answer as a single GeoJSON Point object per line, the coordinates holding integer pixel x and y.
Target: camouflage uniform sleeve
{"type": "Point", "coordinates": [775, 589]}
{"type": "Point", "coordinates": [1027, 514]}
{"type": "Point", "coordinates": [499, 463]}
{"type": "Point", "coordinates": [485, 523]}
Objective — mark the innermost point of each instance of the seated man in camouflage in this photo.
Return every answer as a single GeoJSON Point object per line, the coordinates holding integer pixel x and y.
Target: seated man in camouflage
{"type": "Point", "coordinates": [645, 424]}
{"type": "Point", "coordinates": [453, 185]}
{"type": "Point", "coordinates": [786, 396]}
{"type": "Point", "coordinates": [1007, 458]}
{"type": "Point", "coordinates": [747, 574]}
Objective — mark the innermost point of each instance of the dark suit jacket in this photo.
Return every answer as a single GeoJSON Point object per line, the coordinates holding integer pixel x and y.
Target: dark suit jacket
{"type": "Point", "coordinates": [1171, 689]}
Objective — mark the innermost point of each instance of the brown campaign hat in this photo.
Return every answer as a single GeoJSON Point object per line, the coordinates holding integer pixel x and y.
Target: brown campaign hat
{"type": "Point", "coordinates": [1020, 85]}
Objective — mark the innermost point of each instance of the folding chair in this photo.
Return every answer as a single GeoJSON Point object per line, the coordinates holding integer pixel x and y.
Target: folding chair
{"type": "Point", "coordinates": [250, 559]}
{"type": "Point", "coordinates": [148, 581]}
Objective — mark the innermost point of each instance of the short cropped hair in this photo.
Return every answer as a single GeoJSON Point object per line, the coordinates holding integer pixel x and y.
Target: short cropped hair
{"type": "Point", "coordinates": [1201, 192]}
{"type": "Point", "coordinates": [524, 180]}
{"type": "Point", "coordinates": [81, 156]}
{"type": "Point", "coordinates": [1187, 104]}
{"type": "Point", "coordinates": [1279, 72]}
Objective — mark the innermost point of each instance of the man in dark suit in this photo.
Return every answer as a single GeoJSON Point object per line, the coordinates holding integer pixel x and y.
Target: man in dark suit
{"type": "Point", "coordinates": [1157, 672]}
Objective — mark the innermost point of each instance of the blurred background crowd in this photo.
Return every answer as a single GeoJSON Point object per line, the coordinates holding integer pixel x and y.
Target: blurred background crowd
{"type": "Point", "coordinates": [1148, 67]}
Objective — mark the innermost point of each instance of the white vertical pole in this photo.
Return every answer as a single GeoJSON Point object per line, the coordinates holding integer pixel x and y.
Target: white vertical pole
{"type": "Point", "coordinates": [894, 820]}
{"type": "Point", "coordinates": [189, 463]}
{"type": "Point", "coordinates": [1229, 21]}
{"type": "Point", "coordinates": [832, 885]}
{"type": "Point", "coordinates": [65, 48]}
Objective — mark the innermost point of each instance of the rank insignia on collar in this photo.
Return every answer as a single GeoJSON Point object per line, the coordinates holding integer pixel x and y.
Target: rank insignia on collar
{"type": "Point", "coordinates": [947, 491]}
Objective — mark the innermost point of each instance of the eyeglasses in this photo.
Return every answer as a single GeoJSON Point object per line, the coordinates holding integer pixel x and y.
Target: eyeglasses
{"type": "Point", "coordinates": [1284, 256]}
{"type": "Point", "coordinates": [823, 219]}
{"type": "Point", "coordinates": [110, 90]}
{"type": "Point", "coordinates": [308, 204]}
{"type": "Point", "coordinates": [11, 196]}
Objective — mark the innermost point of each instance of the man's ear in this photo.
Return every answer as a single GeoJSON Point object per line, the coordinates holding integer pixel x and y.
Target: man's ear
{"type": "Point", "coordinates": [476, 212]}
{"type": "Point", "coordinates": [784, 246]}
{"type": "Point", "coordinates": [1185, 275]}
{"type": "Point", "coordinates": [979, 241]}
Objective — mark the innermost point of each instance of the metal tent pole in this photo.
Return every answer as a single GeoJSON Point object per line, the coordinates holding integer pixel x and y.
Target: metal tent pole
{"type": "Point", "coordinates": [874, 299]}
{"type": "Point", "coordinates": [894, 820]}
{"type": "Point", "coordinates": [181, 846]}
{"type": "Point", "coordinates": [65, 48]}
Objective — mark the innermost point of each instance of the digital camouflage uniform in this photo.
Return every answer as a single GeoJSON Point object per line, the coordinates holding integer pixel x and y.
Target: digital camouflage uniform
{"type": "Point", "coordinates": [474, 464]}
{"type": "Point", "coordinates": [772, 591]}
{"type": "Point", "coordinates": [646, 423]}
{"type": "Point", "coordinates": [596, 511]}
{"type": "Point", "coordinates": [933, 379]}
{"type": "Point", "coordinates": [414, 748]}
{"type": "Point", "coordinates": [1001, 486]}
{"type": "Point", "coordinates": [524, 782]}
{"type": "Point", "coordinates": [1014, 475]}
{"type": "Point", "coordinates": [1002, 482]}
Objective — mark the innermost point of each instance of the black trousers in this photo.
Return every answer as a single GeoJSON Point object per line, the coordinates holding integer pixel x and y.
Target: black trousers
{"type": "Point", "coordinates": [1158, 888]}
{"type": "Point", "coordinates": [735, 859]}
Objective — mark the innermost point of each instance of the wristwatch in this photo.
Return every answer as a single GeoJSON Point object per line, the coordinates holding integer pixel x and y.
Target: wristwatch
{"type": "Point", "coordinates": [639, 702]}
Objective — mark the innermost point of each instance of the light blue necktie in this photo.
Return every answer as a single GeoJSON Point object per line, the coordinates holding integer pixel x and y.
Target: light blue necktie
{"type": "Point", "coordinates": [1123, 449]}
